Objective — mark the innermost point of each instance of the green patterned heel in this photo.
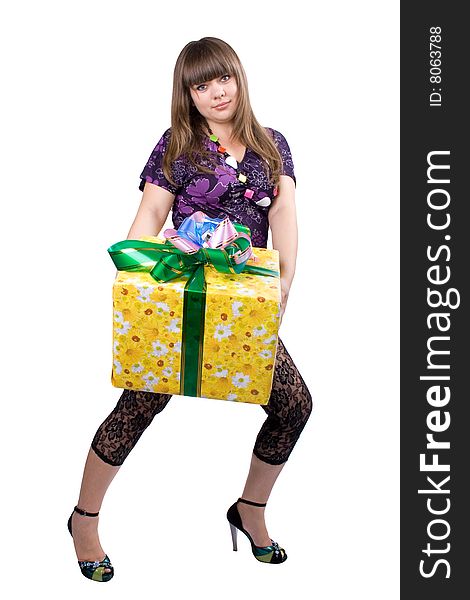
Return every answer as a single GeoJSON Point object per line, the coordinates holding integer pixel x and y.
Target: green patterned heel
{"type": "Point", "coordinates": [94, 570]}
{"type": "Point", "coordinates": [268, 554]}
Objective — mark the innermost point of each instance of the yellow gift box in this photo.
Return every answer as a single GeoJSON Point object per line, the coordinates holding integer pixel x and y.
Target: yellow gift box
{"type": "Point", "coordinates": [237, 344]}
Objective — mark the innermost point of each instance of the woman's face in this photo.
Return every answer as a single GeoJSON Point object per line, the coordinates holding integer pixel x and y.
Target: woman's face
{"type": "Point", "coordinates": [207, 95]}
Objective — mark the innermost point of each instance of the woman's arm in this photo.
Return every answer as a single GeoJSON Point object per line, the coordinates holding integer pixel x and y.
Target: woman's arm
{"type": "Point", "coordinates": [282, 219]}
{"type": "Point", "coordinates": [153, 211]}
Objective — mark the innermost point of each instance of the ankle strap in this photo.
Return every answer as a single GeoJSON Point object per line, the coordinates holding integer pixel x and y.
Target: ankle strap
{"type": "Point", "coordinates": [250, 502]}
{"type": "Point", "coordinates": [85, 512]}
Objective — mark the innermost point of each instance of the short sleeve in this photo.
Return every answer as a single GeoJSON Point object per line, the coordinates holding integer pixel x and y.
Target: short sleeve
{"type": "Point", "coordinates": [153, 170]}
{"type": "Point", "coordinates": [284, 150]}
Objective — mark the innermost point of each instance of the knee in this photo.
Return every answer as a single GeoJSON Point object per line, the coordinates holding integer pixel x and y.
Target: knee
{"type": "Point", "coordinates": [309, 402]}
{"type": "Point", "coordinates": [307, 406]}
{"type": "Point", "coordinates": [299, 412]}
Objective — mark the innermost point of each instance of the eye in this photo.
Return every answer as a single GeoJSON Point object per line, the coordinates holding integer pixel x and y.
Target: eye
{"type": "Point", "coordinates": [225, 77]}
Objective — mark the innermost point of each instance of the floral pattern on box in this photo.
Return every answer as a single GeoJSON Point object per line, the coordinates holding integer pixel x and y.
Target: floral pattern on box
{"type": "Point", "coordinates": [240, 332]}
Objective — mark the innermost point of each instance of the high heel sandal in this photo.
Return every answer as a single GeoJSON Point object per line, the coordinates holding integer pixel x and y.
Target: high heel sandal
{"type": "Point", "coordinates": [94, 570]}
{"type": "Point", "coordinates": [269, 554]}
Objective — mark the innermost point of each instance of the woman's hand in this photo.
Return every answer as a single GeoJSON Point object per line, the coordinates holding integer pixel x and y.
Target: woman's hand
{"type": "Point", "coordinates": [285, 287]}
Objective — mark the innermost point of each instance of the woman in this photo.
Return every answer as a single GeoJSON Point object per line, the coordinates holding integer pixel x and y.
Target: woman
{"type": "Point", "coordinates": [216, 158]}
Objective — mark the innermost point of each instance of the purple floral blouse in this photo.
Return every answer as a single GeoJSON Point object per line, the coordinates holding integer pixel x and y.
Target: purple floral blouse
{"type": "Point", "coordinates": [220, 195]}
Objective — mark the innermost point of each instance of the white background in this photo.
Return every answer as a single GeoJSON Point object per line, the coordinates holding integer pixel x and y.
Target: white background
{"type": "Point", "coordinates": [87, 96]}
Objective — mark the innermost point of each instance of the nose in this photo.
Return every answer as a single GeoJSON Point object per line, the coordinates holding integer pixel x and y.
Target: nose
{"type": "Point", "coordinates": [219, 91]}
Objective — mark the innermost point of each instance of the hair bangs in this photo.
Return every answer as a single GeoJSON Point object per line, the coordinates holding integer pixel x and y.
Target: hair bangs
{"type": "Point", "coordinates": [204, 64]}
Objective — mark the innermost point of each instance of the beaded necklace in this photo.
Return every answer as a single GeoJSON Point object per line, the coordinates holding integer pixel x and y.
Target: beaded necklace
{"type": "Point", "coordinates": [232, 162]}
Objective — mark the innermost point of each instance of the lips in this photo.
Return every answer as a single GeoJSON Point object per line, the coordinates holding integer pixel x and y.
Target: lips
{"type": "Point", "coordinates": [221, 104]}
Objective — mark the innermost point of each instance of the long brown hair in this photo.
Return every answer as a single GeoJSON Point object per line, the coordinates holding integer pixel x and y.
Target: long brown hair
{"type": "Point", "coordinates": [200, 61]}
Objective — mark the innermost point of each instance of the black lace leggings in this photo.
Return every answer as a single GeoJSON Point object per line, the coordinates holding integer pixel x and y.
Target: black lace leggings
{"type": "Point", "coordinates": [289, 408]}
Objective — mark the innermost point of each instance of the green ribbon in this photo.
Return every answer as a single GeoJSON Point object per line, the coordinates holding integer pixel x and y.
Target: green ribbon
{"type": "Point", "coordinates": [165, 262]}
